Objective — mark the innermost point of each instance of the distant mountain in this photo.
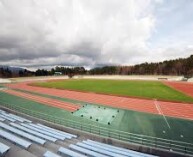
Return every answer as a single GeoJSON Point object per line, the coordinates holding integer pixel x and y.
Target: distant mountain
{"type": "Point", "coordinates": [11, 71]}
{"type": "Point", "coordinates": [12, 68]}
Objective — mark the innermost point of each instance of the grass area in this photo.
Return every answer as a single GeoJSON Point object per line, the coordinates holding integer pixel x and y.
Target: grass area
{"type": "Point", "coordinates": [125, 120]}
{"type": "Point", "coordinates": [142, 89]}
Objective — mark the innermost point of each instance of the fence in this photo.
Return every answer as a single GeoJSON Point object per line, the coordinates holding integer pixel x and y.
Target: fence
{"type": "Point", "coordinates": [171, 145]}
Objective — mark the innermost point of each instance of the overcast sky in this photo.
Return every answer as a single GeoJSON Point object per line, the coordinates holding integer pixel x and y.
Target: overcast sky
{"type": "Point", "coordinates": [45, 33]}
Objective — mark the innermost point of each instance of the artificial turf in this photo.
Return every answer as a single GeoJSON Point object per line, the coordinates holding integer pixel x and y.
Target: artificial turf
{"type": "Point", "coordinates": [133, 88]}
{"type": "Point", "coordinates": [125, 120]}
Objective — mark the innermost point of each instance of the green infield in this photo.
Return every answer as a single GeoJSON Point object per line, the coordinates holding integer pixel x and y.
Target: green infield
{"type": "Point", "coordinates": [142, 89]}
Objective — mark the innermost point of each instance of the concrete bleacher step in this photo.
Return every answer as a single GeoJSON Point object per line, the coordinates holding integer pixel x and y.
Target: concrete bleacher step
{"type": "Point", "coordinates": [47, 145]}
{"type": "Point", "coordinates": [66, 136]}
{"type": "Point", "coordinates": [113, 150]}
{"type": "Point", "coordinates": [117, 149]}
{"type": "Point", "coordinates": [45, 137]}
{"type": "Point", "coordinates": [1, 111]}
{"type": "Point", "coordinates": [68, 152]}
{"type": "Point", "coordinates": [58, 131]}
{"type": "Point", "coordinates": [20, 153]}
{"type": "Point", "coordinates": [15, 151]}
{"type": "Point", "coordinates": [3, 149]}
{"type": "Point", "coordinates": [67, 142]}
{"type": "Point", "coordinates": [101, 151]}
{"type": "Point", "coordinates": [50, 154]}
{"type": "Point", "coordinates": [2, 119]}
{"type": "Point", "coordinates": [43, 132]}
{"type": "Point", "coordinates": [18, 118]}
{"type": "Point", "coordinates": [7, 118]}
{"type": "Point", "coordinates": [43, 141]}
{"type": "Point", "coordinates": [13, 117]}
{"type": "Point", "coordinates": [86, 151]}
{"type": "Point", "coordinates": [22, 134]}
{"type": "Point", "coordinates": [38, 150]}
{"type": "Point", "coordinates": [14, 139]}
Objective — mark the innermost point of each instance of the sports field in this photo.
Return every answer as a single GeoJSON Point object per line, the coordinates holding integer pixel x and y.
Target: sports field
{"type": "Point", "coordinates": [100, 113]}
{"type": "Point", "coordinates": [142, 89]}
{"type": "Point", "coordinates": [125, 120]}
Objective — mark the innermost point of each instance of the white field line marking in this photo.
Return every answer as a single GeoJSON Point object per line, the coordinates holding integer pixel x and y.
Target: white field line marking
{"type": "Point", "coordinates": [161, 113]}
{"type": "Point", "coordinates": [176, 112]}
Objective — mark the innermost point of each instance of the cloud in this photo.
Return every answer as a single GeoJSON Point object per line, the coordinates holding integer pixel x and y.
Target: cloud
{"type": "Point", "coordinates": [76, 32]}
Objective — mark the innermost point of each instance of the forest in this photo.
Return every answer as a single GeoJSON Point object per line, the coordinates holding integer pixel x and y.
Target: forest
{"type": "Point", "coordinates": [181, 66]}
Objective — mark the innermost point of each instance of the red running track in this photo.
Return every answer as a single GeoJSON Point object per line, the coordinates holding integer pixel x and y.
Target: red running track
{"type": "Point", "coordinates": [43, 100]}
{"type": "Point", "coordinates": [179, 110]}
{"type": "Point", "coordinates": [185, 87]}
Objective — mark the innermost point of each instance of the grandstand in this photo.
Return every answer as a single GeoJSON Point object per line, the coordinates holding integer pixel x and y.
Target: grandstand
{"type": "Point", "coordinates": [20, 136]}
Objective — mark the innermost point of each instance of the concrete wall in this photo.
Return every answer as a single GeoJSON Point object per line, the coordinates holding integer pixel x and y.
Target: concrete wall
{"type": "Point", "coordinates": [5, 80]}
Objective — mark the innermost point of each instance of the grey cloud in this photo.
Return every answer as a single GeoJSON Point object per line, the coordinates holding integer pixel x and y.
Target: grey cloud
{"type": "Point", "coordinates": [90, 33]}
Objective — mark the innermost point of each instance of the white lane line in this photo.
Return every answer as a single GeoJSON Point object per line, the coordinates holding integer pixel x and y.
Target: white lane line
{"type": "Point", "coordinates": [160, 112]}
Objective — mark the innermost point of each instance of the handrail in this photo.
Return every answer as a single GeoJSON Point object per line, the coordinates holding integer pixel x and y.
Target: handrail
{"type": "Point", "coordinates": [172, 145]}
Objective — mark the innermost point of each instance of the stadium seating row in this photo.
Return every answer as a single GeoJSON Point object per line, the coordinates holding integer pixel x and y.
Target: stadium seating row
{"type": "Point", "coordinates": [43, 136]}
{"type": "Point", "coordinates": [14, 139]}
{"type": "Point", "coordinates": [3, 149]}
{"type": "Point", "coordinates": [24, 133]}
{"type": "Point", "coordinates": [14, 117]}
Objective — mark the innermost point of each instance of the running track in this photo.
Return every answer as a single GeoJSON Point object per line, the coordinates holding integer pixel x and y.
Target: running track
{"type": "Point", "coordinates": [179, 110]}
{"type": "Point", "coordinates": [43, 100]}
{"type": "Point", "coordinates": [185, 87]}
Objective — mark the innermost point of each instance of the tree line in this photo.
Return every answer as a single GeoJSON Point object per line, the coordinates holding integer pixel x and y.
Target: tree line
{"type": "Point", "coordinates": [181, 66]}
{"type": "Point", "coordinates": [6, 72]}
{"type": "Point", "coordinates": [63, 70]}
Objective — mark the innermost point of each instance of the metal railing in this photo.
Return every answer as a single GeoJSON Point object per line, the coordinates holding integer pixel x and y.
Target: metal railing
{"type": "Point", "coordinates": [160, 143]}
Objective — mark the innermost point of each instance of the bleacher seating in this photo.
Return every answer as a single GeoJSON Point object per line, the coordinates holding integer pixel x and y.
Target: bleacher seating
{"type": "Point", "coordinates": [12, 117]}
{"type": "Point", "coordinates": [1, 111]}
{"type": "Point", "coordinates": [50, 131]}
{"type": "Point", "coordinates": [14, 139]}
{"type": "Point", "coordinates": [2, 119]}
{"type": "Point", "coordinates": [7, 118]}
{"type": "Point", "coordinates": [3, 149]}
{"type": "Point", "coordinates": [58, 131]}
{"type": "Point", "coordinates": [110, 150]}
{"type": "Point", "coordinates": [43, 132]}
{"type": "Point", "coordinates": [117, 149]}
{"type": "Point", "coordinates": [102, 151]}
{"type": "Point", "coordinates": [50, 154]}
{"type": "Point", "coordinates": [86, 151]}
{"type": "Point", "coordinates": [12, 126]}
{"type": "Point", "coordinates": [45, 137]}
{"type": "Point", "coordinates": [22, 134]}
{"type": "Point", "coordinates": [65, 151]}
{"type": "Point", "coordinates": [20, 118]}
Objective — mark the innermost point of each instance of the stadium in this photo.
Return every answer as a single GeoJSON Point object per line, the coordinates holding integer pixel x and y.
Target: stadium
{"type": "Point", "coordinates": [45, 120]}
{"type": "Point", "coordinates": [96, 78]}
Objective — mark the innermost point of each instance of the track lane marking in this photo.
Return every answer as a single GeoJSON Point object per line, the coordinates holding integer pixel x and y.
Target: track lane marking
{"type": "Point", "coordinates": [160, 112]}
